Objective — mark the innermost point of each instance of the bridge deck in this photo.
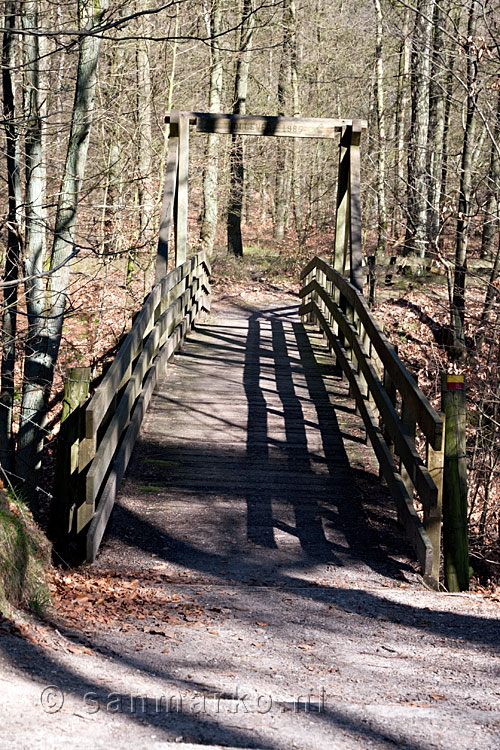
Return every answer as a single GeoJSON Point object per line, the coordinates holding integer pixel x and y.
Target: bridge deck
{"type": "Point", "coordinates": [273, 611]}
{"type": "Point", "coordinates": [241, 468]}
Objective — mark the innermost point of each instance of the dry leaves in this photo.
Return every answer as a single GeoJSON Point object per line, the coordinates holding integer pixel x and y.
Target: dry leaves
{"type": "Point", "coordinates": [88, 600]}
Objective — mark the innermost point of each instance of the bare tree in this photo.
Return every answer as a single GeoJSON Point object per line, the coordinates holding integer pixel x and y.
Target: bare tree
{"type": "Point", "coordinates": [45, 329]}
{"type": "Point", "coordinates": [235, 205]}
{"type": "Point", "coordinates": [211, 172]}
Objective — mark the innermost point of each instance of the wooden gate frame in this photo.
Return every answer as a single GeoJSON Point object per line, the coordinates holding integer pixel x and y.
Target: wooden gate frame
{"type": "Point", "coordinates": [347, 248]}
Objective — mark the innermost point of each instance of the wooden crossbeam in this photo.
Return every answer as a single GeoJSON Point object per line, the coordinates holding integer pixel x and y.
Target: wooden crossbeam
{"type": "Point", "coordinates": [291, 127]}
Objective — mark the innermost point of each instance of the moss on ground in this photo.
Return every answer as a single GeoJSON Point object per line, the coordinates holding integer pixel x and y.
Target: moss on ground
{"type": "Point", "coordinates": [24, 557]}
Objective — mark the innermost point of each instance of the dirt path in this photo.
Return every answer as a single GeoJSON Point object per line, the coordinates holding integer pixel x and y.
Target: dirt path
{"type": "Point", "coordinates": [254, 590]}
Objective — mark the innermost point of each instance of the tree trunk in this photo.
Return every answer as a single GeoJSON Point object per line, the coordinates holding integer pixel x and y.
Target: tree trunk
{"type": "Point", "coordinates": [44, 332]}
{"type": "Point", "coordinates": [381, 207]}
{"type": "Point", "coordinates": [436, 126]}
{"type": "Point", "coordinates": [282, 184]}
{"type": "Point", "coordinates": [464, 195]}
{"type": "Point", "coordinates": [235, 205]}
{"type": "Point", "coordinates": [211, 172]}
{"type": "Point", "coordinates": [145, 138]}
{"type": "Point", "coordinates": [9, 315]}
{"type": "Point", "coordinates": [490, 226]}
{"type": "Point", "coordinates": [416, 239]}
{"type": "Point", "coordinates": [402, 100]}
{"type": "Point", "coordinates": [492, 208]}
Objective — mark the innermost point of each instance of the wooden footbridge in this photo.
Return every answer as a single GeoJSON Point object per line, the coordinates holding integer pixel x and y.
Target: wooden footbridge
{"type": "Point", "coordinates": [248, 420]}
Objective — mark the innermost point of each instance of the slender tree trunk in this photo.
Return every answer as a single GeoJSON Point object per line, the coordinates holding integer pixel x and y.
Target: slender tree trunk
{"type": "Point", "coordinates": [170, 99]}
{"type": "Point", "coordinates": [9, 314]}
{"type": "Point", "coordinates": [492, 208]}
{"type": "Point", "coordinates": [211, 172]}
{"type": "Point", "coordinates": [44, 333]}
{"type": "Point", "coordinates": [464, 196]}
{"type": "Point", "coordinates": [282, 183]}
{"type": "Point", "coordinates": [416, 241]}
{"type": "Point", "coordinates": [234, 240]}
{"type": "Point", "coordinates": [294, 77]}
{"type": "Point", "coordinates": [436, 125]}
{"type": "Point", "coordinates": [490, 226]}
{"type": "Point", "coordinates": [382, 212]}
{"type": "Point", "coordinates": [144, 120]}
{"type": "Point", "coordinates": [449, 80]}
{"type": "Point", "coordinates": [402, 101]}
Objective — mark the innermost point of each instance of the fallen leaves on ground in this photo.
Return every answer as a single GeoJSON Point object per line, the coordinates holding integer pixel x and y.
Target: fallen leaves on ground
{"type": "Point", "coordinates": [97, 599]}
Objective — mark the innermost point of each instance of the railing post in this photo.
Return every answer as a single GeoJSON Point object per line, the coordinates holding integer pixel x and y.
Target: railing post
{"type": "Point", "coordinates": [455, 537]}
{"type": "Point", "coordinates": [311, 318]}
{"type": "Point", "coordinates": [342, 216]}
{"type": "Point", "coordinates": [390, 389]}
{"type": "Point", "coordinates": [433, 519]}
{"type": "Point", "coordinates": [66, 480]}
{"type": "Point", "coordinates": [356, 269]}
{"type": "Point", "coordinates": [167, 207]}
{"type": "Point", "coordinates": [410, 427]}
{"type": "Point", "coordinates": [181, 204]}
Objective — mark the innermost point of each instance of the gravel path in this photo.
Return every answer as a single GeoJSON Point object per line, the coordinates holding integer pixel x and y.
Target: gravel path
{"type": "Point", "coordinates": [276, 604]}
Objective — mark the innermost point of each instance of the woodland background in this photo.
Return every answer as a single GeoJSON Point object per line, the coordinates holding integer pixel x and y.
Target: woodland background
{"type": "Point", "coordinates": [85, 89]}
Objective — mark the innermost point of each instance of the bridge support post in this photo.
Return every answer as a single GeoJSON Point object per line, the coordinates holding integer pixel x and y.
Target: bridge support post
{"type": "Point", "coordinates": [66, 481]}
{"type": "Point", "coordinates": [181, 195]}
{"type": "Point", "coordinates": [356, 270]}
{"type": "Point", "coordinates": [432, 519]}
{"type": "Point", "coordinates": [455, 536]}
{"type": "Point", "coordinates": [167, 207]}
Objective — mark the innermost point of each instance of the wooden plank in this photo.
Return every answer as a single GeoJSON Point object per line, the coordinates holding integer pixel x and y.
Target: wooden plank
{"type": "Point", "coordinates": [292, 127]}
{"type": "Point", "coordinates": [427, 418]}
{"type": "Point", "coordinates": [413, 526]}
{"type": "Point", "coordinates": [167, 208]}
{"type": "Point", "coordinates": [181, 205]}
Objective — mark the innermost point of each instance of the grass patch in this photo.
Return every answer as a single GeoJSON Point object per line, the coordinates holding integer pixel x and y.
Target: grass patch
{"type": "Point", "coordinates": [24, 557]}
{"type": "Point", "coordinates": [150, 488]}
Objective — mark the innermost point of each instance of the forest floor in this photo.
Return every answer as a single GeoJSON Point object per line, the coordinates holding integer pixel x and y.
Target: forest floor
{"type": "Point", "coordinates": [161, 645]}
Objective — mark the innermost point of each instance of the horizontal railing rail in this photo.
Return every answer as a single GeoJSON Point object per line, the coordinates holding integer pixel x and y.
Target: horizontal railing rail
{"type": "Point", "coordinates": [111, 419]}
{"type": "Point", "coordinates": [389, 401]}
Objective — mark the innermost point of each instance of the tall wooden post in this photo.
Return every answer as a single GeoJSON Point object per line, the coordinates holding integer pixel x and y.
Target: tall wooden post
{"type": "Point", "coordinates": [433, 519]}
{"type": "Point", "coordinates": [169, 191]}
{"type": "Point", "coordinates": [356, 269]}
{"type": "Point", "coordinates": [66, 485]}
{"type": "Point", "coordinates": [455, 537]}
{"type": "Point", "coordinates": [342, 217]}
{"type": "Point", "coordinates": [181, 204]}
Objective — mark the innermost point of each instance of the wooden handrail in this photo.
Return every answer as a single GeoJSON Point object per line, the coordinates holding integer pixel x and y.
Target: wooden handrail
{"type": "Point", "coordinates": [424, 414]}
{"type": "Point", "coordinates": [111, 420]}
{"type": "Point", "coordinates": [361, 349]}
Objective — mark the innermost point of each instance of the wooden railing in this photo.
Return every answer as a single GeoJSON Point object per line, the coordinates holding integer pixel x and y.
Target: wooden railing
{"type": "Point", "coordinates": [390, 403]}
{"type": "Point", "coordinates": [109, 422]}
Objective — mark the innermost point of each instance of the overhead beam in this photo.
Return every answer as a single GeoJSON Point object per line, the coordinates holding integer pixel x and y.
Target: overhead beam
{"type": "Point", "coordinates": [291, 127]}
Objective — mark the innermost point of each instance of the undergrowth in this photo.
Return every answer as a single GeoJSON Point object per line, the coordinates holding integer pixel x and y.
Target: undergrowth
{"type": "Point", "coordinates": [24, 557]}
{"type": "Point", "coordinates": [259, 263]}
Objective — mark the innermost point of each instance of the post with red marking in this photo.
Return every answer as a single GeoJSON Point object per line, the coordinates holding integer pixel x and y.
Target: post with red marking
{"type": "Point", "coordinates": [455, 532]}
